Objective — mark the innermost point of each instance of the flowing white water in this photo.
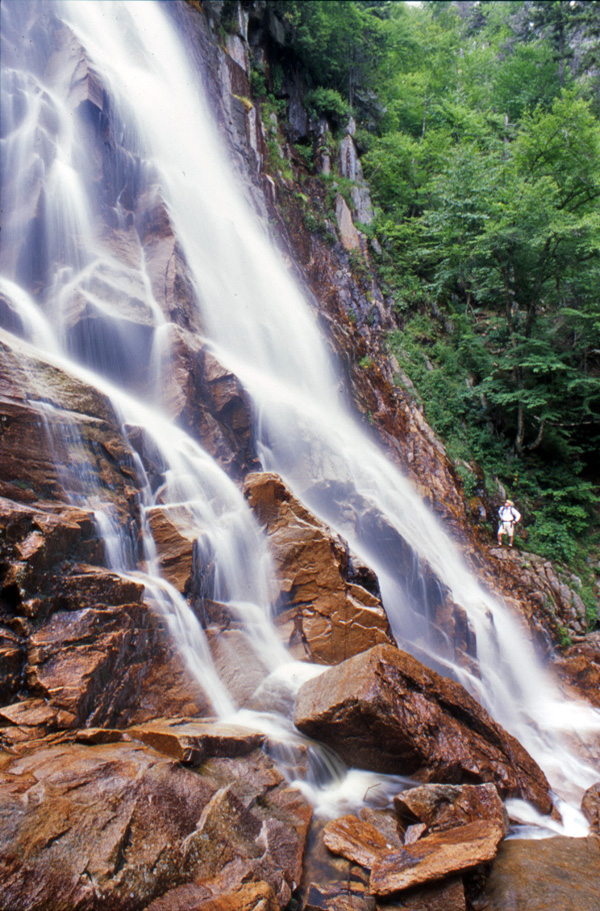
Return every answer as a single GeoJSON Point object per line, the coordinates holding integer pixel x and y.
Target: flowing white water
{"type": "Point", "coordinates": [262, 328]}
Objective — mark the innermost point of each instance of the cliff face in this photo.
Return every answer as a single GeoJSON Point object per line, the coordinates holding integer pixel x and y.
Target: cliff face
{"type": "Point", "coordinates": [120, 642]}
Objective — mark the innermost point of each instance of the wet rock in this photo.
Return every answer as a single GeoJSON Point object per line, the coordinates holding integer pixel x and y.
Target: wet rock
{"type": "Point", "coordinates": [120, 825]}
{"type": "Point", "coordinates": [11, 663]}
{"type": "Point", "coordinates": [385, 821]}
{"type": "Point", "coordinates": [29, 720]}
{"type": "Point", "coordinates": [239, 667]}
{"type": "Point", "coordinates": [208, 401]}
{"type": "Point", "coordinates": [580, 668]}
{"type": "Point", "coordinates": [413, 832]}
{"type": "Point", "coordinates": [330, 881]}
{"type": "Point", "coordinates": [174, 547]}
{"type": "Point", "coordinates": [170, 688]}
{"type": "Point", "coordinates": [59, 433]}
{"type": "Point", "coordinates": [328, 617]}
{"type": "Point", "coordinates": [194, 742]}
{"type": "Point", "coordinates": [255, 896]}
{"type": "Point", "coordinates": [164, 261]}
{"type": "Point", "coordinates": [35, 540]}
{"type": "Point", "coordinates": [338, 897]}
{"type": "Point", "coordinates": [91, 663]}
{"type": "Point", "coordinates": [436, 856]}
{"type": "Point", "coordinates": [356, 839]}
{"type": "Point", "coordinates": [545, 875]}
{"type": "Point", "coordinates": [590, 806]}
{"type": "Point", "coordinates": [384, 711]}
{"type": "Point", "coordinates": [446, 895]}
{"type": "Point", "coordinates": [440, 807]}
{"type": "Point", "coordinates": [88, 586]}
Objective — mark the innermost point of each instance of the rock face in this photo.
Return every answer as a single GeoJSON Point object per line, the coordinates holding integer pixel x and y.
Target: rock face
{"type": "Point", "coordinates": [422, 860]}
{"type": "Point", "coordinates": [326, 614]}
{"type": "Point", "coordinates": [384, 711]}
{"type": "Point", "coordinates": [590, 806]}
{"type": "Point", "coordinates": [545, 875]}
{"type": "Point", "coordinates": [119, 824]}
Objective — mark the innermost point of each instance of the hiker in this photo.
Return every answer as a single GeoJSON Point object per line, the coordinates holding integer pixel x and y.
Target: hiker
{"type": "Point", "coordinates": [509, 516]}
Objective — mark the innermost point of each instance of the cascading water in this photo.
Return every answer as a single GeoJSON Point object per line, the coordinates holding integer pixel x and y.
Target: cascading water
{"type": "Point", "coordinates": [106, 319]}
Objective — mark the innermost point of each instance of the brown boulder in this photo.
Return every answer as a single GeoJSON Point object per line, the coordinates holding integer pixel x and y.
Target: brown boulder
{"type": "Point", "coordinates": [442, 806]}
{"type": "Point", "coordinates": [356, 839]}
{"type": "Point", "coordinates": [254, 896]}
{"type": "Point", "coordinates": [118, 825]}
{"type": "Point", "coordinates": [174, 545]}
{"type": "Point", "coordinates": [240, 669]}
{"type": "Point", "coordinates": [545, 875]}
{"type": "Point", "coordinates": [590, 806]}
{"type": "Point", "coordinates": [329, 617]}
{"type": "Point", "coordinates": [194, 742]}
{"type": "Point", "coordinates": [385, 711]}
{"type": "Point", "coordinates": [436, 856]}
{"type": "Point", "coordinates": [580, 668]}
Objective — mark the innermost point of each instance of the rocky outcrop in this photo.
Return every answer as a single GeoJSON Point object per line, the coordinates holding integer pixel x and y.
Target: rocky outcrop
{"type": "Point", "coordinates": [384, 711]}
{"type": "Point", "coordinates": [123, 824]}
{"type": "Point", "coordinates": [551, 603]}
{"type": "Point", "coordinates": [326, 615]}
{"type": "Point", "coordinates": [579, 667]}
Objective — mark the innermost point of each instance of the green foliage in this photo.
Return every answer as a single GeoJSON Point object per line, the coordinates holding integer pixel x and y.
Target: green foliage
{"type": "Point", "coordinates": [590, 599]}
{"type": "Point", "coordinates": [339, 44]}
{"type": "Point", "coordinates": [326, 102]}
{"type": "Point", "coordinates": [258, 82]}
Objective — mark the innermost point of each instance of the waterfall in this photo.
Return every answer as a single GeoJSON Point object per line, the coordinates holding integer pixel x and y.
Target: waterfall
{"type": "Point", "coordinates": [80, 291]}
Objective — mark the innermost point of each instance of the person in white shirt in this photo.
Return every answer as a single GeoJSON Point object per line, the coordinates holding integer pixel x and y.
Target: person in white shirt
{"type": "Point", "coordinates": [509, 516]}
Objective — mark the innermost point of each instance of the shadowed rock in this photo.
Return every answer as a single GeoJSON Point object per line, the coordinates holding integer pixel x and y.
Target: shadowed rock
{"type": "Point", "coordinates": [194, 742]}
{"type": "Point", "coordinates": [440, 807]}
{"type": "Point", "coordinates": [255, 896]}
{"type": "Point", "coordinates": [590, 806]}
{"type": "Point", "coordinates": [545, 875]}
{"type": "Point", "coordinates": [384, 711]}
